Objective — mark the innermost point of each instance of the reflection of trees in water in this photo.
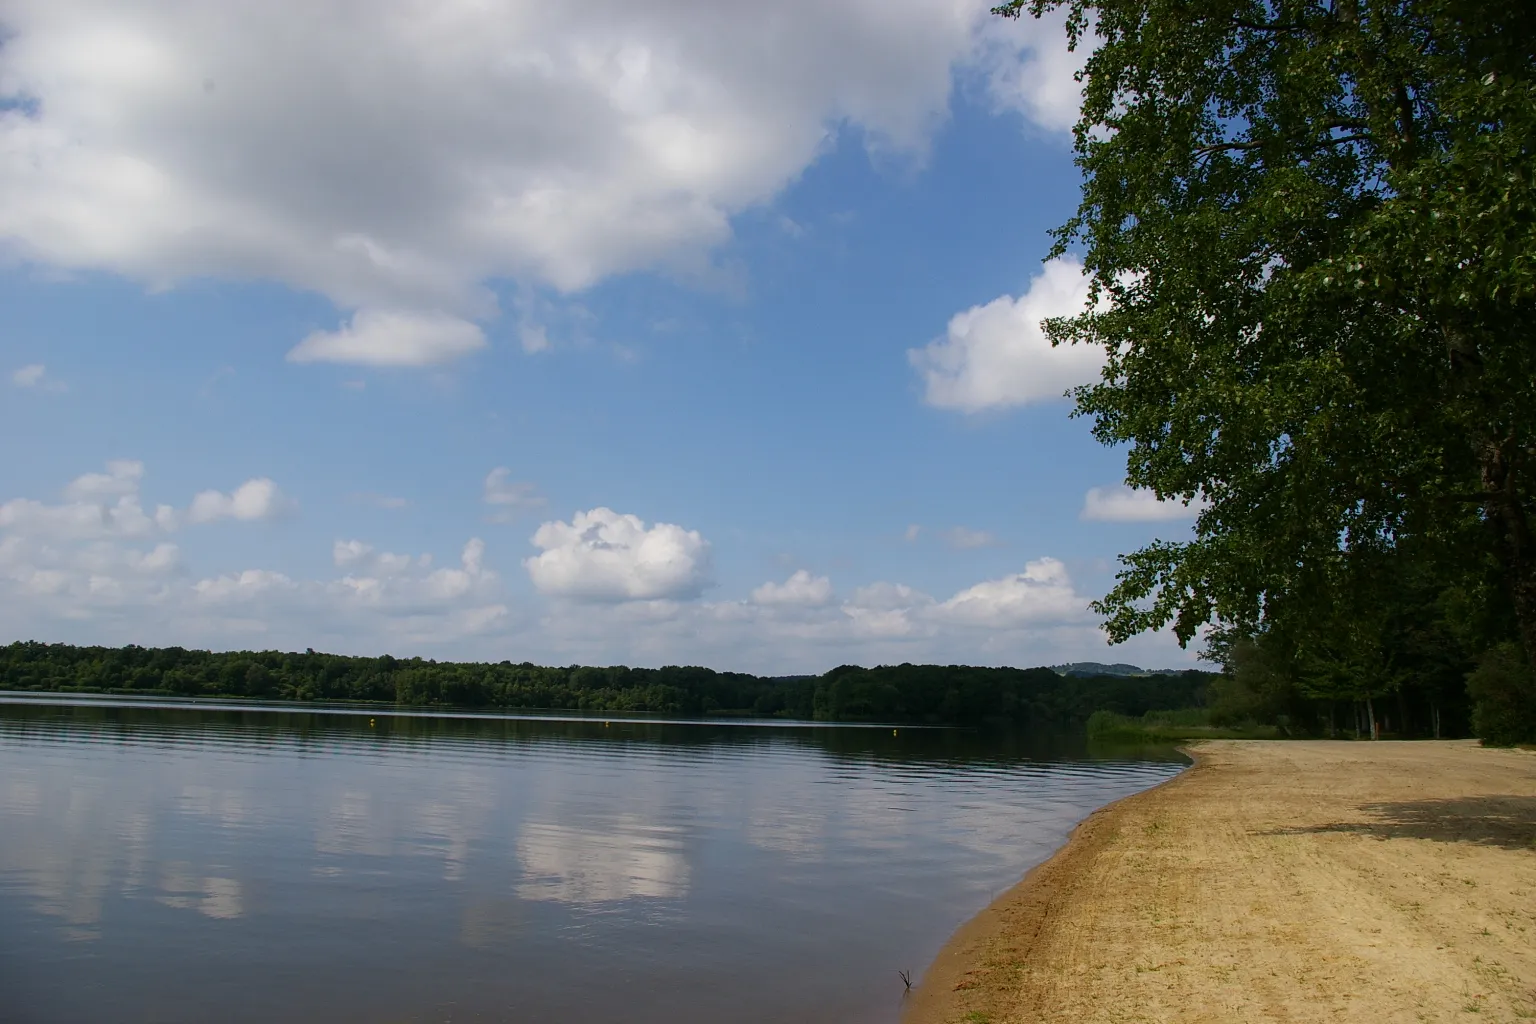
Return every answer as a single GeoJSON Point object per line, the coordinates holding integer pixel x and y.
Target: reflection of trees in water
{"type": "Point", "coordinates": [226, 815]}
{"type": "Point", "coordinates": [305, 729]}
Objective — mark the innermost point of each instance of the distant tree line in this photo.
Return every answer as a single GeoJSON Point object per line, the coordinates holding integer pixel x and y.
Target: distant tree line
{"type": "Point", "coordinates": [1028, 698]}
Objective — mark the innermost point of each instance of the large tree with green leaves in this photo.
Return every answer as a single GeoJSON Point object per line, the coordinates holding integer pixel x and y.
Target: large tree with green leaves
{"type": "Point", "coordinates": [1314, 228]}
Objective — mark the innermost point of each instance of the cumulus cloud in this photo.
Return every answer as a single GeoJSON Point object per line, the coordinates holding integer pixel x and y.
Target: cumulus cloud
{"type": "Point", "coordinates": [965, 538]}
{"type": "Point", "coordinates": [28, 376]}
{"type": "Point", "coordinates": [1043, 592]}
{"type": "Point", "coordinates": [507, 497]}
{"type": "Point", "coordinates": [121, 479]}
{"type": "Point", "coordinates": [360, 557]}
{"type": "Point", "coordinates": [242, 585]}
{"type": "Point", "coordinates": [800, 589]}
{"type": "Point", "coordinates": [391, 338]}
{"type": "Point", "coordinates": [97, 568]}
{"type": "Point", "coordinates": [602, 555]}
{"type": "Point", "coordinates": [253, 500]}
{"type": "Point", "coordinates": [1129, 505]}
{"type": "Point", "coordinates": [100, 568]}
{"type": "Point", "coordinates": [97, 506]}
{"type": "Point", "coordinates": [100, 506]}
{"type": "Point", "coordinates": [1034, 617]}
{"type": "Point", "coordinates": [1034, 74]}
{"type": "Point", "coordinates": [554, 144]}
{"type": "Point", "coordinates": [997, 355]}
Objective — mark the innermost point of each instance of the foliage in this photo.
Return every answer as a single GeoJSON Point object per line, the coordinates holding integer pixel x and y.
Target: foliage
{"type": "Point", "coordinates": [1256, 689]}
{"type": "Point", "coordinates": [1170, 727]}
{"type": "Point", "coordinates": [1505, 690]}
{"type": "Point", "coordinates": [899, 693]}
{"type": "Point", "coordinates": [1397, 656]}
{"type": "Point", "coordinates": [1311, 229]}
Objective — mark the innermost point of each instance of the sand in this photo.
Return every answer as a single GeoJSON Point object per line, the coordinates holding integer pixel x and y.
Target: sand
{"type": "Point", "coordinates": [1273, 881]}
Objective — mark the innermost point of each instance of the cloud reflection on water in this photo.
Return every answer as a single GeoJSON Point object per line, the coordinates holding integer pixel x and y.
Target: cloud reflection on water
{"type": "Point", "coordinates": [505, 868]}
{"type": "Point", "coordinates": [629, 859]}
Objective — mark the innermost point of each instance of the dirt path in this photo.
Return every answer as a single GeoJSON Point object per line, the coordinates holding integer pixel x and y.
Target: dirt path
{"type": "Point", "coordinates": [1286, 881]}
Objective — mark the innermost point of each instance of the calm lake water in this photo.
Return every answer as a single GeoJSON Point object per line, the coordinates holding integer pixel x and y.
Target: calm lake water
{"type": "Point", "coordinates": [267, 864]}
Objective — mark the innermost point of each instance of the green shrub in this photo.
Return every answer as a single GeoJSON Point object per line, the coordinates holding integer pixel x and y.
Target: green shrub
{"type": "Point", "coordinates": [1503, 689]}
{"type": "Point", "coordinates": [1108, 725]}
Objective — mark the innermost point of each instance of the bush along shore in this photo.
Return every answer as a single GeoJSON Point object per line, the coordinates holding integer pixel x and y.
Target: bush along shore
{"type": "Point", "coordinates": [931, 694]}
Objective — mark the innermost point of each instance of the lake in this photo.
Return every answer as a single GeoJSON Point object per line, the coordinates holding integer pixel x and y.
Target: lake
{"type": "Point", "coordinates": [263, 863]}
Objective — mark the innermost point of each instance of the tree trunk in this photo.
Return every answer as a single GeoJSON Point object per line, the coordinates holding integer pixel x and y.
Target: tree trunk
{"type": "Point", "coordinates": [1370, 711]}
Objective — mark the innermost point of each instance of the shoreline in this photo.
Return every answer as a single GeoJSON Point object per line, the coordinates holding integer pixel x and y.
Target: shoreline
{"type": "Point", "coordinates": [1011, 922]}
{"type": "Point", "coordinates": [1271, 880]}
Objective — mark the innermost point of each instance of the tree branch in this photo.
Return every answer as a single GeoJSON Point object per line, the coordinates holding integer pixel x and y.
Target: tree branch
{"type": "Point", "coordinates": [1230, 147]}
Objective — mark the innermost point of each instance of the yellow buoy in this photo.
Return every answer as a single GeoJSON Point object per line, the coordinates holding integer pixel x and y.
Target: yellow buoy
{"type": "Point", "coordinates": [893, 732]}
{"type": "Point", "coordinates": [370, 721]}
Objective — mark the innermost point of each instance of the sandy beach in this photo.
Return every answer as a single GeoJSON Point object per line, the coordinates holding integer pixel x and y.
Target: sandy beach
{"type": "Point", "coordinates": [1273, 881]}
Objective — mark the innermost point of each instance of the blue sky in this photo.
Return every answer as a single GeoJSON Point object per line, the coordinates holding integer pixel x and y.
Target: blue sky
{"type": "Point", "coordinates": [499, 332]}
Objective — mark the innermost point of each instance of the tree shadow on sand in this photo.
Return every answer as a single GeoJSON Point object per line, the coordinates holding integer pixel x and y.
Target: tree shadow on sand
{"type": "Point", "coordinates": [1503, 821]}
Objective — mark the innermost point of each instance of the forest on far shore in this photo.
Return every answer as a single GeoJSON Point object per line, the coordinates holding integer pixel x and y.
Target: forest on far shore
{"type": "Point", "coordinates": [1033, 698]}
{"type": "Point", "coordinates": [937, 694]}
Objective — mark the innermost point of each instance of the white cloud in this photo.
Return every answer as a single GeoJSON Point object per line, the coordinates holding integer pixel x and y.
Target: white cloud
{"type": "Point", "coordinates": [392, 338]}
{"type": "Point", "coordinates": [104, 571]}
{"type": "Point", "coordinates": [534, 338]}
{"type": "Point", "coordinates": [98, 572]}
{"type": "Point", "coordinates": [398, 155]}
{"type": "Point", "coordinates": [1043, 592]}
{"type": "Point", "coordinates": [997, 355]}
{"type": "Point", "coordinates": [28, 376]}
{"type": "Point", "coordinates": [97, 506]}
{"type": "Point", "coordinates": [1034, 74]}
{"type": "Point", "coordinates": [965, 539]}
{"type": "Point", "coordinates": [800, 589]}
{"type": "Point", "coordinates": [509, 497]}
{"type": "Point", "coordinates": [121, 479]}
{"type": "Point", "coordinates": [604, 556]}
{"type": "Point", "coordinates": [1129, 505]}
{"type": "Point", "coordinates": [107, 506]}
{"type": "Point", "coordinates": [253, 500]}
{"type": "Point", "coordinates": [1035, 617]}
{"type": "Point", "coordinates": [242, 585]}
{"type": "Point", "coordinates": [912, 532]}
{"type": "Point", "coordinates": [350, 552]}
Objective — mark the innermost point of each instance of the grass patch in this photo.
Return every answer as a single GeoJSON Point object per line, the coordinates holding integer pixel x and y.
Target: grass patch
{"type": "Point", "coordinates": [1171, 727]}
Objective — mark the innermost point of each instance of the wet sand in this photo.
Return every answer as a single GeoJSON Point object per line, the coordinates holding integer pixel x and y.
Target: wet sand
{"type": "Point", "coordinates": [1273, 881]}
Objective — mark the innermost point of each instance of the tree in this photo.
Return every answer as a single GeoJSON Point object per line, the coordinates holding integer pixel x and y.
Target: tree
{"type": "Point", "coordinates": [1311, 231]}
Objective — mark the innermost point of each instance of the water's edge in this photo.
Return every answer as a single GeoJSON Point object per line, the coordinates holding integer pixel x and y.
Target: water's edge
{"type": "Point", "coordinates": [933, 998]}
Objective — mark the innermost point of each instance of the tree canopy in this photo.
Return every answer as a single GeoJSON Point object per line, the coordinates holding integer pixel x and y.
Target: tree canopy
{"type": "Point", "coordinates": [1311, 231]}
